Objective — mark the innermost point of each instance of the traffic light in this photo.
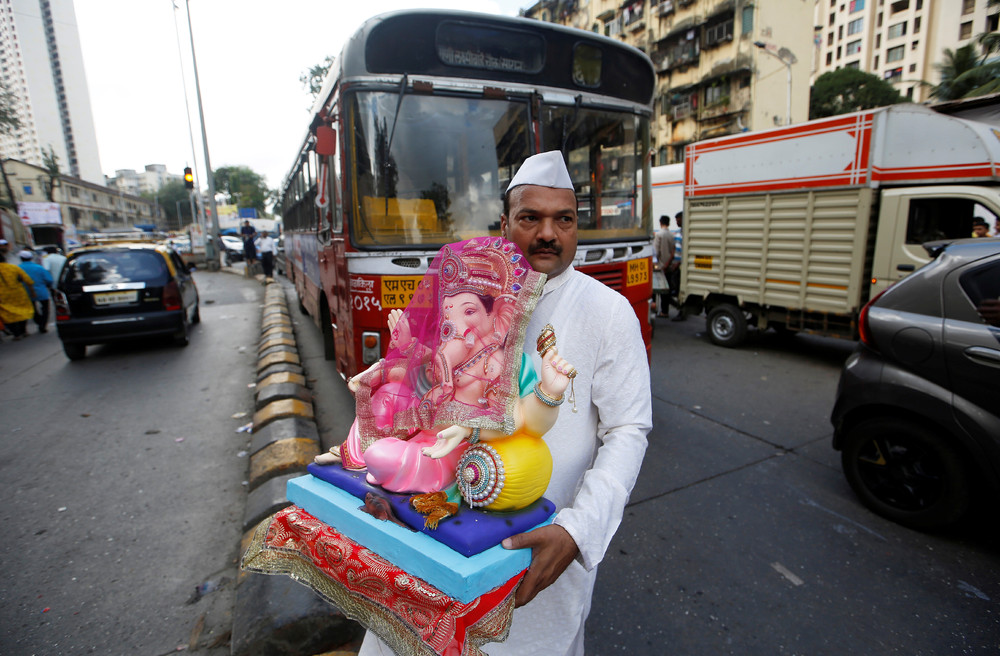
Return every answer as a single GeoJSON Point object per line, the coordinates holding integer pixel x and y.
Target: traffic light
{"type": "Point", "coordinates": [188, 178]}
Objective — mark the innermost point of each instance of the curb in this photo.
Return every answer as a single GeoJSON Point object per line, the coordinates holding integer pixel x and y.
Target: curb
{"type": "Point", "coordinates": [275, 615]}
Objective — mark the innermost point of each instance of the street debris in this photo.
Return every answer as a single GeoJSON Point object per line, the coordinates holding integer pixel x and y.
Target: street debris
{"type": "Point", "coordinates": [206, 588]}
{"type": "Point", "coordinates": [245, 428]}
{"type": "Point", "coordinates": [238, 415]}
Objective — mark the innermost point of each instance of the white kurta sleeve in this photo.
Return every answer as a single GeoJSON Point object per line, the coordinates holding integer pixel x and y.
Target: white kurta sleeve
{"type": "Point", "coordinates": [621, 393]}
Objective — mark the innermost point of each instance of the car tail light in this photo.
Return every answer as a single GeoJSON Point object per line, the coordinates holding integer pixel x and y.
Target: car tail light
{"type": "Point", "coordinates": [62, 306]}
{"type": "Point", "coordinates": [864, 330]}
{"type": "Point", "coordinates": [172, 296]}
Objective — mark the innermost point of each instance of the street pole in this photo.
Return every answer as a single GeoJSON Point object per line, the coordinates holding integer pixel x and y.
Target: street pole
{"type": "Point", "coordinates": [212, 238]}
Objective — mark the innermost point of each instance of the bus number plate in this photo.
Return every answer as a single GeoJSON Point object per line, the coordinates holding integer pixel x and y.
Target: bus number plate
{"type": "Point", "coordinates": [638, 272]}
{"type": "Point", "coordinates": [398, 290]}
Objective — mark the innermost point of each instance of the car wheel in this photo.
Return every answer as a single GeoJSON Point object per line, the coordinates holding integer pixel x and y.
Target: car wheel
{"type": "Point", "coordinates": [75, 351]}
{"type": "Point", "coordinates": [906, 472]}
{"type": "Point", "coordinates": [727, 326]}
{"type": "Point", "coordinates": [196, 317]}
{"type": "Point", "coordinates": [181, 336]}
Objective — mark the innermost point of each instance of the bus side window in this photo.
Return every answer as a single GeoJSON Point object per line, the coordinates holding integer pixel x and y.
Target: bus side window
{"type": "Point", "coordinates": [335, 200]}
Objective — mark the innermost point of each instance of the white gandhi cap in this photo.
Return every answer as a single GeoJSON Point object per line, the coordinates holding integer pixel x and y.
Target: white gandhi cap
{"type": "Point", "coordinates": [544, 170]}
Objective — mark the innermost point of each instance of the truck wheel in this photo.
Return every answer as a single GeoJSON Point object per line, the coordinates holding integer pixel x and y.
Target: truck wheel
{"type": "Point", "coordinates": [726, 325]}
{"type": "Point", "coordinates": [907, 472]}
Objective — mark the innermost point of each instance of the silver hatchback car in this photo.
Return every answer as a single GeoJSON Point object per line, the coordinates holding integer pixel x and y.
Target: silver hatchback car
{"type": "Point", "coordinates": [917, 416]}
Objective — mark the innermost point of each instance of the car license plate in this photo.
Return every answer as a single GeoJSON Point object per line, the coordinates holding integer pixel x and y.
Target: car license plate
{"type": "Point", "coordinates": [116, 298]}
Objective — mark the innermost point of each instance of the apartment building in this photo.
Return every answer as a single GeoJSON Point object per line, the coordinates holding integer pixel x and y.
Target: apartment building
{"type": "Point", "coordinates": [41, 64]}
{"type": "Point", "coordinates": [83, 205]}
{"type": "Point", "coordinates": [901, 41]}
{"type": "Point", "coordinates": [723, 66]}
{"type": "Point", "coordinates": [148, 181]}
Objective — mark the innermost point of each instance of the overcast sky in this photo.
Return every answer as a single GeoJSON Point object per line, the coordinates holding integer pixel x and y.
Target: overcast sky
{"type": "Point", "coordinates": [250, 56]}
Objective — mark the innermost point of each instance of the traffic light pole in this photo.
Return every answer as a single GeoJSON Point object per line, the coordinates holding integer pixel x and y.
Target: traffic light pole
{"type": "Point", "coordinates": [212, 238]}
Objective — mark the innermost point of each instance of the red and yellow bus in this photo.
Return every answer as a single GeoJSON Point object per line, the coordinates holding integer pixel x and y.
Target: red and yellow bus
{"type": "Point", "coordinates": [421, 124]}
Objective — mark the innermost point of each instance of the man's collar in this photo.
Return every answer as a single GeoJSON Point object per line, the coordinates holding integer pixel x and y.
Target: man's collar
{"type": "Point", "coordinates": [556, 282]}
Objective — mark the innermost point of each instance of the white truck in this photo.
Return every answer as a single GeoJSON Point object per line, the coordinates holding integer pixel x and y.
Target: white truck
{"type": "Point", "coordinates": [667, 192]}
{"type": "Point", "coordinates": [797, 228]}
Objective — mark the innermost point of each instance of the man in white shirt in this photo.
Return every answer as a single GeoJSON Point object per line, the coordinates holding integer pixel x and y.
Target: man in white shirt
{"type": "Point", "coordinates": [265, 246]}
{"type": "Point", "coordinates": [596, 451]}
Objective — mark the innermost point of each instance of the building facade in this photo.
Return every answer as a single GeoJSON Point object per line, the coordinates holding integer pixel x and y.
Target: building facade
{"type": "Point", "coordinates": [149, 181]}
{"type": "Point", "coordinates": [41, 64]}
{"type": "Point", "coordinates": [83, 205]}
{"type": "Point", "coordinates": [900, 41]}
{"type": "Point", "coordinates": [723, 66]}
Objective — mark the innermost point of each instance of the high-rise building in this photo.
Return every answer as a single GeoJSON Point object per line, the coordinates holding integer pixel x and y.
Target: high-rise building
{"type": "Point", "coordinates": [723, 66]}
{"type": "Point", "coordinates": [41, 64]}
{"type": "Point", "coordinates": [900, 41]}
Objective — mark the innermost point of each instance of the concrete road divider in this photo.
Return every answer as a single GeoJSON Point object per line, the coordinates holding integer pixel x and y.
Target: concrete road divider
{"type": "Point", "coordinates": [274, 615]}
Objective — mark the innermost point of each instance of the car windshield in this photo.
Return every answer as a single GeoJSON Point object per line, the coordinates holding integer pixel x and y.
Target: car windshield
{"type": "Point", "coordinates": [114, 266]}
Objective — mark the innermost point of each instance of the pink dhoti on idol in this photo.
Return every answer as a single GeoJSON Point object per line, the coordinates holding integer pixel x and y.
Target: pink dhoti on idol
{"type": "Point", "coordinates": [455, 367]}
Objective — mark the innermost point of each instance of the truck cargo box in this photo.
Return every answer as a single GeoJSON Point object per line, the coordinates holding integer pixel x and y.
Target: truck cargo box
{"type": "Point", "coordinates": [899, 144]}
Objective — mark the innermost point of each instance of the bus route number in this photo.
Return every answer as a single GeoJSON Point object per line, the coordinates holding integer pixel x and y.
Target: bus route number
{"type": "Point", "coordinates": [398, 290]}
{"type": "Point", "coordinates": [638, 272]}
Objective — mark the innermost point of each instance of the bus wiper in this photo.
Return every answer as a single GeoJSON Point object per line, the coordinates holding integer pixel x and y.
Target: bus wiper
{"type": "Point", "coordinates": [395, 118]}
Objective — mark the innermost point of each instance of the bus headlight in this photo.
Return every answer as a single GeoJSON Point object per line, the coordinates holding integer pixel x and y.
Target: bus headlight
{"type": "Point", "coordinates": [371, 347]}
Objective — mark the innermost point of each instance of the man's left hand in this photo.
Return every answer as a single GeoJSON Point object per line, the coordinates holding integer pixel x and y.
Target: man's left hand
{"type": "Point", "coordinates": [552, 550]}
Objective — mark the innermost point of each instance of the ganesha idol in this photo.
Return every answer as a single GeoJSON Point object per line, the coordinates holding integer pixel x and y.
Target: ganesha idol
{"type": "Point", "coordinates": [456, 408]}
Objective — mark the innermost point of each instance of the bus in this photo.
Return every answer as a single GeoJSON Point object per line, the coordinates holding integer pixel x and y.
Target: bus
{"type": "Point", "coordinates": [421, 123]}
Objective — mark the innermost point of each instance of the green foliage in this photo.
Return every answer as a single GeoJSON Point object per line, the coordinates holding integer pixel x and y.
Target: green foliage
{"type": "Point", "coordinates": [849, 90]}
{"type": "Point", "coordinates": [312, 80]}
{"type": "Point", "coordinates": [172, 195]}
{"type": "Point", "coordinates": [242, 187]}
{"type": "Point", "coordinates": [966, 74]}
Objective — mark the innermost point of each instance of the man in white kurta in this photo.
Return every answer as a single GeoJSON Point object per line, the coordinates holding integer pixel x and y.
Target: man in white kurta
{"type": "Point", "coordinates": [596, 451]}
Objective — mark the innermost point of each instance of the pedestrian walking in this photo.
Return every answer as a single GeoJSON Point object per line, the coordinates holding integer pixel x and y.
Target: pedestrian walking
{"type": "Point", "coordinates": [16, 306]}
{"type": "Point", "coordinates": [54, 261]}
{"type": "Point", "coordinates": [249, 249]}
{"type": "Point", "coordinates": [42, 284]}
{"type": "Point", "coordinates": [266, 248]}
{"type": "Point", "coordinates": [663, 249]}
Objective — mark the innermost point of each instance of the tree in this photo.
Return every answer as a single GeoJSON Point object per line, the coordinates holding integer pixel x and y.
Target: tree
{"type": "Point", "coordinates": [172, 195]}
{"type": "Point", "coordinates": [50, 162]}
{"type": "Point", "coordinates": [242, 187]}
{"type": "Point", "coordinates": [955, 82]}
{"type": "Point", "coordinates": [313, 79]}
{"type": "Point", "coordinates": [849, 90]}
{"type": "Point", "coordinates": [9, 122]}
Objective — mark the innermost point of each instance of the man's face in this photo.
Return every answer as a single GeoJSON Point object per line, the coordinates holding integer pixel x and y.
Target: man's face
{"type": "Point", "coordinates": [979, 230]}
{"type": "Point", "coordinates": [542, 222]}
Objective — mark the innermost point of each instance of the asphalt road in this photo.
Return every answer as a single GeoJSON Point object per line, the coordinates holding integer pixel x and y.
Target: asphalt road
{"type": "Point", "coordinates": [124, 485]}
{"type": "Point", "coordinates": [742, 536]}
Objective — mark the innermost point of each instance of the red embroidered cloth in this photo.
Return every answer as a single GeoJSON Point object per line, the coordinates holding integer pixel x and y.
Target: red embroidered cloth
{"type": "Point", "coordinates": [407, 613]}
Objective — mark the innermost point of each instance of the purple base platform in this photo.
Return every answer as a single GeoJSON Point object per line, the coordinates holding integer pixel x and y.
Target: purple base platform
{"type": "Point", "coordinates": [468, 532]}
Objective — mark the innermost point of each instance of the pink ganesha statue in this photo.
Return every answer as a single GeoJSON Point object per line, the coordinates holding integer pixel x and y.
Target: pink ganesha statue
{"type": "Point", "coordinates": [456, 405]}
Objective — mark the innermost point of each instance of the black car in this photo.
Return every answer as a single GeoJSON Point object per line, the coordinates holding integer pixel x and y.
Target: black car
{"type": "Point", "coordinates": [124, 291]}
{"type": "Point", "coordinates": [917, 416]}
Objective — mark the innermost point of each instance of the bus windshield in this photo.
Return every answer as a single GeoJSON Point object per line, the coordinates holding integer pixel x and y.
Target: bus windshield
{"type": "Point", "coordinates": [440, 178]}
{"type": "Point", "coordinates": [430, 170]}
{"type": "Point", "coordinates": [602, 149]}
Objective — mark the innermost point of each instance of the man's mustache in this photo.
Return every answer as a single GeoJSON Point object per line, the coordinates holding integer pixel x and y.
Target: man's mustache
{"type": "Point", "coordinates": [545, 245]}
